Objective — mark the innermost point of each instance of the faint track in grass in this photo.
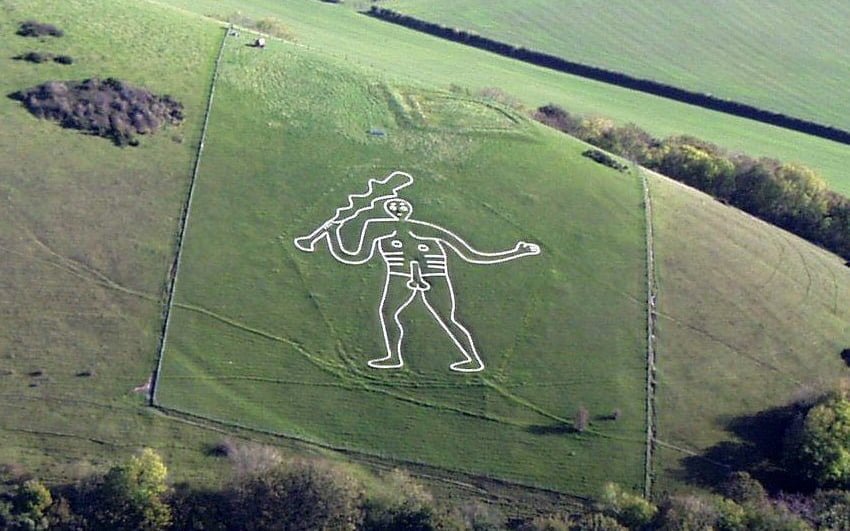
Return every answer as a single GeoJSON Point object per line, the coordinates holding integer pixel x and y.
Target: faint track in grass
{"type": "Point", "coordinates": [470, 481]}
{"type": "Point", "coordinates": [732, 348]}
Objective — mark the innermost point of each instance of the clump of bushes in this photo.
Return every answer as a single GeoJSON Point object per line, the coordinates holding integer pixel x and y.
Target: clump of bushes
{"type": "Point", "coordinates": [605, 159]}
{"type": "Point", "coordinates": [109, 108]}
{"type": "Point", "coordinates": [39, 57]}
{"type": "Point", "coordinates": [296, 494]}
{"type": "Point", "coordinates": [32, 28]}
{"type": "Point", "coordinates": [34, 57]}
{"type": "Point", "coordinates": [817, 444]}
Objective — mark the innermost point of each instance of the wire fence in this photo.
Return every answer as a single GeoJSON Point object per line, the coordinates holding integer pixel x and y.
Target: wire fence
{"type": "Point", "coordinates": [181, 234]}
{"type": "Point", "coordinates": [651, 315]}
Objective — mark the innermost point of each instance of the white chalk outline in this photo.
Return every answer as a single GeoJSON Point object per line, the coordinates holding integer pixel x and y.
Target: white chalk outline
{"type": "Point", "coordinates": [398, 211]}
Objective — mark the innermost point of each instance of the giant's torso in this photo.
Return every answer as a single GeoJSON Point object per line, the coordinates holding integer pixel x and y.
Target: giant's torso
{"type": "Point", "coordinates": [402, 249]}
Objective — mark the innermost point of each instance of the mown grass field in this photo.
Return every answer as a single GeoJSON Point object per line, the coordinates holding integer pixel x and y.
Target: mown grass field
{"type": "Point", "coordinates": [786, 56]}
{"type": "Point", "coordinates": [427, 61]}
{"type": "Point", "coordinates": [87, 233]}
{"type": "Point", "coordinates": [268, 337]}
{"type": "Point", "coordinates": [750, 318]}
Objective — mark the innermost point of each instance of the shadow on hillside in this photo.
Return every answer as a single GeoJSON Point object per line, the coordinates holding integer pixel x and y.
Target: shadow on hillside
{"type": "Point", "coordinates": [551, 429]}
{"type": "Point", "coordinates": [757, 450]}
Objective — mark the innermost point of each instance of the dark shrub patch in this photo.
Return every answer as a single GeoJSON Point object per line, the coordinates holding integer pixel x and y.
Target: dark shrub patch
{"type": "Point", "coordinates": [63, 59]}
{"type": "Point", "coordinates": [31, 28]}
{"type": "Point", "coordinates": [224, 448]}
{"type": "Point", "coordinates": [604, 159]}
{"type": "Point", "coordinates": [34, 57]}
{"type": "Point", "coordinates": [108, 108]}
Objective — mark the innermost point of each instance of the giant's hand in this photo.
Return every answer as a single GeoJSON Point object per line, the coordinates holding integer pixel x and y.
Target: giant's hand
{"type": "Point", "coordinates": [526, 249]}
{"type": "Point", "coordinates": [308, 243]}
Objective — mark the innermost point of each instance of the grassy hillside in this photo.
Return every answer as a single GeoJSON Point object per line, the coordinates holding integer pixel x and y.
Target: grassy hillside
{"type": "Point", "coordinates": [423, 60]}
{"type": "Point", "coordinates": [87, 233]}
{"type": "Point", "coordinates": [749, 317]}
{"type": "Point", "coordinates": [784, 56]}
{"type": "Point", "coordinates": [274, 339]}
{"type": "Point", "coordinates": [266, 336]}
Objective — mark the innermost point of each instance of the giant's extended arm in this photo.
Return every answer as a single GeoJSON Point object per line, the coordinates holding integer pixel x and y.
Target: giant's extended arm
{"type": "Point", "coordinates": [422, 229]}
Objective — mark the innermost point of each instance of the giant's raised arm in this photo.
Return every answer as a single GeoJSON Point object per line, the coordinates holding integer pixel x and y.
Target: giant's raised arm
{"type": "Point", "coordinates": [372, 232]}
{"type": "Point", "coordinates": [422, 229]}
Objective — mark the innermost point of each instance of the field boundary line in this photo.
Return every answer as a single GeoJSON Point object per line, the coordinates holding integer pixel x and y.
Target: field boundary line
{"type": "Point", "coordinates": [651, 321]}
{"type": "Point", "coordinates": [181, 233]}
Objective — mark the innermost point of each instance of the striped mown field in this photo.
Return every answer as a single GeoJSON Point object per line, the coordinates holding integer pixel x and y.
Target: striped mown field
{"type": "Point", "coordinates": [785, 56]}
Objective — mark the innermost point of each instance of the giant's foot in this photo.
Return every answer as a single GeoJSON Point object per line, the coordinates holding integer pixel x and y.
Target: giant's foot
{"type": "Point", "coordinates": [467, 366]}
{"type": "Point", "coordinates": [388, 362]}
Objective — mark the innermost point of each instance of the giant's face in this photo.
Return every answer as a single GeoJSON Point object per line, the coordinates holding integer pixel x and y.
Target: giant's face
{"type": "Point", "coordinates": [398, 208]}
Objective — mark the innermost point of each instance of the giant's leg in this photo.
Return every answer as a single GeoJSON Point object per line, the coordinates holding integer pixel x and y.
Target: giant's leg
{"type": "Point", "coordinates": [440, 300]}
{"type": "Point", "coordinates": [394, 299]}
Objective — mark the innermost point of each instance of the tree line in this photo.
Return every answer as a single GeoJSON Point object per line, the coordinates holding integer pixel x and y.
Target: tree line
{"type": "Point", "coordinates": [265, 492]}
{"type": "Point", "coordinates": [268, 492]}
{"type": "Point", "coordinates": [620, 79]}
{"type": "Point", "coordinates": [788, 195]}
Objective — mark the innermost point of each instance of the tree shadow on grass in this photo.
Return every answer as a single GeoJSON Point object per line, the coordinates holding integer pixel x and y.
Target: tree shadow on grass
{"type": "Point", "coordinates": [757, 449]}
{"type": "Point", "coordinates": [551, 429]}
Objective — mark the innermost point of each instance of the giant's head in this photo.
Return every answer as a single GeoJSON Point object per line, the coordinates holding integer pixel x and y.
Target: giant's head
{"type": "Point", "coordinates": [398, 208]}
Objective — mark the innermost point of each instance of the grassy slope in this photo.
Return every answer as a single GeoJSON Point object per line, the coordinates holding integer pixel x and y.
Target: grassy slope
{"type": "Point", "coordinates": [417, 58]}
{"type": "Point", "coordinates": [81, 223]}
{"type": "Point", "coordinates": [550, 328]}
{"type": "Point", "coordinates": [749, 316]}
{"type": "Point", "coordinates": [78, 203]}
{"type": "Point", "coordinates": [422, 59]}
{"type": "Point", "coordinates": [785, 56]}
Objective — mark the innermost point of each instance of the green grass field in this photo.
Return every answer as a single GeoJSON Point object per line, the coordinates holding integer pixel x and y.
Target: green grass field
{"type": "Point", "coordinates": [422, 60]}
{"type": "Point", "coordinates": [276, 340]}
{"type": "Point", "coordinates": [785, 56]}
{"type": "Point", "coordinates": [268, 337]}
{"type": "Point", "coordinates": [750, 316]}
{"type": "Point", "coordinates": [87, 236]}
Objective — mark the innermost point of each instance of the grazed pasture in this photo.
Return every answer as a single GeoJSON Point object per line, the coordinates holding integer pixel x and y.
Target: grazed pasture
{"type": "Point", "coordinates": [268, 337]}
{"type": "Point", "coordinates": [750, 317]}
{"type": "Point", "coordinates": [87, 236]}
{"type": "Point", "coordinates": [276, 340]}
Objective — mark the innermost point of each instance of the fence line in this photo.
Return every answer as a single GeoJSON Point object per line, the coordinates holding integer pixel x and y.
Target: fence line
{"type": "Point", "coordinates": [651, 302]}
{"type": "Point", "coordinates": [181, 233]}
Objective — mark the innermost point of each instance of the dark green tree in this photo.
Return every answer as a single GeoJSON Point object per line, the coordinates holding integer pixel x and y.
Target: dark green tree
{"type": "Point", "coordinates": [821, 448]}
